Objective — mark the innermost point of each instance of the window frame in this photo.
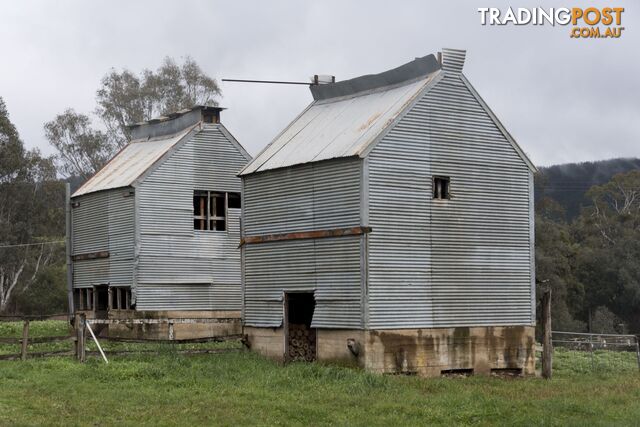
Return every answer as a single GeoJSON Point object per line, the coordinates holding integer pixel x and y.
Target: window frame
{"type": "Point", "coordinates": [118, 295]}
{"type": "Point", "coordinates": [210, 208]}
{"type": "Point", "coordinates": [83, 299]}
{"type": "Point", "coordinates": [437, 195]}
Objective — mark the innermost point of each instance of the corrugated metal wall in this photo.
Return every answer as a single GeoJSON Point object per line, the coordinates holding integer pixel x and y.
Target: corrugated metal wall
{"type": "Point", "coordinates": [460, 262]}
{"type": "Point", "coordinates": [121, 237]}
{"type": "Point", "coordinates": [179, 267]}
{"type": "Point", "coordinates": [186, 296]}
{"type": "Point", "coordinates": [330, 267]}
{"type": "Point", "coordinates": [103, 221]}
{"type": "Point", "coordinates": [323, 195]}
{"type": "Point", "coordinates": [313, 196]}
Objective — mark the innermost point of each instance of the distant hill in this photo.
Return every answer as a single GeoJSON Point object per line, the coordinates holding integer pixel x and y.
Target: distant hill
{"type": "Point", "coordinates": [568, 183]}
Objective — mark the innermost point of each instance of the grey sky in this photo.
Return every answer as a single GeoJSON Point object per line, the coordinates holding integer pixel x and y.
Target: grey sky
{"type": "Point", "coordinates": [562, 99]}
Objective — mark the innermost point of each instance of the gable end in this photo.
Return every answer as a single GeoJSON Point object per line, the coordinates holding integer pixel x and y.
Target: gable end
{"type": "Point", "coordinates": [499, 125]}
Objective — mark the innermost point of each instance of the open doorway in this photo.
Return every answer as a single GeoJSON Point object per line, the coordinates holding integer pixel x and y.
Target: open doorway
{"type": "Point", "coordinates": [101, 301]}
{"type": "Point", "coordinates": [300, 337]}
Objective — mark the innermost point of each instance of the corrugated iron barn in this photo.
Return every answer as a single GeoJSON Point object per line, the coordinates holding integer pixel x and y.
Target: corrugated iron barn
{"type": "Point", "coordinates": [391, 226]}
{"type": "Point", "coordinates": [155, 232]}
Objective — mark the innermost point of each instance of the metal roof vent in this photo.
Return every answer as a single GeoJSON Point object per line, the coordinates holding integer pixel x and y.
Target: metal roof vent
{"type": "Point", "coordinates": [452, 60]}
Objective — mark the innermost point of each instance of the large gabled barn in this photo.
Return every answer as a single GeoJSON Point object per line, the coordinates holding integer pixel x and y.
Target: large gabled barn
{"type": "Point", "coordinates": [391, 225]}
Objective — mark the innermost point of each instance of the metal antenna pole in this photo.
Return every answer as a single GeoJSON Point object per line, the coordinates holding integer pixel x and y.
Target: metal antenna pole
{"type": "Point", "coordinates": [277, 82]}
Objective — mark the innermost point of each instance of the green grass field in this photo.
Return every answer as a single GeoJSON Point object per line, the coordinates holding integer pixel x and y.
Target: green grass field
{"type": "Point", "coordinates": [243, 388]}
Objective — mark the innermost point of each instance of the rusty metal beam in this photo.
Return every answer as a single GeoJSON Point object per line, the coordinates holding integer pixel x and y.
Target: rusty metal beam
{"type": "Point", "coordinates": [316, 234]}
{"type": "Point", "coordinates": [91, 255]}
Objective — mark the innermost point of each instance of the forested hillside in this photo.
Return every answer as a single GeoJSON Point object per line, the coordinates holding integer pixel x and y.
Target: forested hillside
{"type": "Point", "coordinates": [568, 183]}
{"type": "Point", "coordinates": [588, 244]}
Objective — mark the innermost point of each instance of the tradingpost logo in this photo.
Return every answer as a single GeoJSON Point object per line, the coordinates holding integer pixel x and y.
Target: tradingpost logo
{"type": "Point", "coordinates": [586, 23]}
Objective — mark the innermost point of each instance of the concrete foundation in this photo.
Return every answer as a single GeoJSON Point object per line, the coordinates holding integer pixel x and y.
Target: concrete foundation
{"type": "Point", "coordinates": [426, 352]}
{"type": "Point", "coordinates": [211, 324]}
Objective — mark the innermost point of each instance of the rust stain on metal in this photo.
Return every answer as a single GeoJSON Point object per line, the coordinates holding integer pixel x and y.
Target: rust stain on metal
{"type": "Point", "coordinates": [316, 234]}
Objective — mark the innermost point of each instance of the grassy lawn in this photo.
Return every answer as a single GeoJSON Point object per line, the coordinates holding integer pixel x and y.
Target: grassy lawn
{"type": "Point", "coordinates": [243, 388]}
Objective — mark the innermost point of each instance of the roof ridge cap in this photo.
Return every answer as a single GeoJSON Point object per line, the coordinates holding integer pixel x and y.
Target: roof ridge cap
{"type": "Point", "coordinates": [376, 90]}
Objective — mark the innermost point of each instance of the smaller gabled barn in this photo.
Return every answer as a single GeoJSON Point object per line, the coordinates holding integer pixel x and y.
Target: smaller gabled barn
{"type": "Point", "coordinates": [390, 225]}
{"type": "Point", "coordinates": [155, 232]}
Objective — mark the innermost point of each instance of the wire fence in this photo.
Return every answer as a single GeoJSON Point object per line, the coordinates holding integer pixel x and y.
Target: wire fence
{"type": "Point", "coordinates": [597, 352]}
{"type": "Point", "coordinates": [27, 337]}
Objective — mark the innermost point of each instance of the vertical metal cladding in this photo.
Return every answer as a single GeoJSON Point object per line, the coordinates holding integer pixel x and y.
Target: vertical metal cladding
{"type": "Point", "coordinates": [459, 262]}
{"type": "Point", "coordinates": [322, 195]}
{"type": "Point", "coordinates": [103, 221]}
{"type": "Point", "coordinates": [179, 267]}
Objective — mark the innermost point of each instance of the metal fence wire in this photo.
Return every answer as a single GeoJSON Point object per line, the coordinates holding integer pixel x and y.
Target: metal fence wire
{"type": "Point", "coordinates": [598, 352]}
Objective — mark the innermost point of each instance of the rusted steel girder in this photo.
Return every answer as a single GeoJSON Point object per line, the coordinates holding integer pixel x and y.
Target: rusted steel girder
{"type": "Point", "coordinates": [316, 234]}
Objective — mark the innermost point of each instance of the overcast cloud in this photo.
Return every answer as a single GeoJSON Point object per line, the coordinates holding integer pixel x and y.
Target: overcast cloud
{"type": "Point", "coordinates": [563, 99]}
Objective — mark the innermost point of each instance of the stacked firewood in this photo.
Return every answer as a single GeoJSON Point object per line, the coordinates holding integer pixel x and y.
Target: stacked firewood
{"type": "Point", "coordinates": [302, 343]}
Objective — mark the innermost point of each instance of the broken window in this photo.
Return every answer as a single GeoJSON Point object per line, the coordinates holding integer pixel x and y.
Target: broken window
{"type": "Point", "coordinates": [120, 298]}
{"type": "Point", "coordinates": [77, 298]}
{"type": "Point", "coordinates": [441, 187]}
{"type": "Point", "coordinates": [83, 298]}
{"type": "Point", "coordinates": [89, 299]}
{"type": "Point", "coordinates": [210, 209]}
{"type": "Point", "coordinates": [200, 210]}
{"type": "Point", "coordinates": [218, 217]}
{"type": "Point", "coordinates": [234, 201]}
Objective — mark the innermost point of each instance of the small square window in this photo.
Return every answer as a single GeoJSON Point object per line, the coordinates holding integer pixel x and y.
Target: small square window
{"type": "Point", "coordinates": [441, 187]}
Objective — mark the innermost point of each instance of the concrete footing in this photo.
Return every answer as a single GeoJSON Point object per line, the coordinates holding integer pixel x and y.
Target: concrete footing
{"type": "Point", "coordinates": [207, 324]}
{"type": "Point", "coordinates": [426, 352]}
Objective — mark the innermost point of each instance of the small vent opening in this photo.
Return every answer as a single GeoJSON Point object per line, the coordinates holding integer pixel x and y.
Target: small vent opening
{"type": "Point", "coordinates": [454, 373]}
{"type": "Point", "coordinates": [506, 372]}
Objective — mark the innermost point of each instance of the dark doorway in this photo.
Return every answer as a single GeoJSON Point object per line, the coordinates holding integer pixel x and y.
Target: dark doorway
{"type": "Point", "coordinates": [299, 335]}
{"type": "Point", "coordinates": [101, 301]}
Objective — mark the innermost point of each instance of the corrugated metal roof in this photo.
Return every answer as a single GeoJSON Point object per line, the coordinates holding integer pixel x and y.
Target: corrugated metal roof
{"type": "Point", "coordinates": [130, 163]}
{"type": "Point", "coordinates": [347, 118]}
{"type": "Point", "coordinates": [338, 127]}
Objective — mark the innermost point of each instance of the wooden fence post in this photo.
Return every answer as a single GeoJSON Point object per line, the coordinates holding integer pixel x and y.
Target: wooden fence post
{"type": "Point", "coordinates": [25, 340]}
{"type": "Point", "coordinates": [76, 319]}
{"type": "Point", "coordinates": [547, 346]}
{"type": "Point", "coordinates": [81, 337]}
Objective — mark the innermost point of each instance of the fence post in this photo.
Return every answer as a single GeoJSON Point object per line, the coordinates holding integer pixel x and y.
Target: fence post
{"type": "Point", "coordinates": [547, 347]}
{"type": "Point", "coordinates": [81, 337]}
{"type": "Point", "coordinates": [593, 363]}
{"type": "Point", "coordinates": [25, 340]}
{"type": "Point", "coordinates": [638, 349]}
